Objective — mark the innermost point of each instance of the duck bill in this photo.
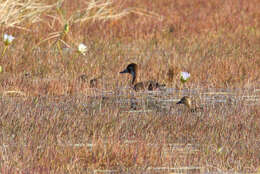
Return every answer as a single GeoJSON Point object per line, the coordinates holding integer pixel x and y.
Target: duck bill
{"type": "Point", "coordinates": [125, 71]}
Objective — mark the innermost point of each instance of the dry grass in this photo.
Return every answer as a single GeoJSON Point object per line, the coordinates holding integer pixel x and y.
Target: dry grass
{"type": "Point", "coordinates": [52, 122]}
{"type": "Point", "coordinates": [17, 13]}
{"type": "Point", "coordinates": [71, 134]}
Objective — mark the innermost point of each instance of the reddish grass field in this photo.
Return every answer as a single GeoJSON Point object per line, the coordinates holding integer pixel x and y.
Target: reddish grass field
{"type": "Point", "coordinates": [54, 121]}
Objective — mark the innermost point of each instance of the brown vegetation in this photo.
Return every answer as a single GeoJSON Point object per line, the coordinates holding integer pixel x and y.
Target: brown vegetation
{"type": "Point", "coordinates": [52, 121]}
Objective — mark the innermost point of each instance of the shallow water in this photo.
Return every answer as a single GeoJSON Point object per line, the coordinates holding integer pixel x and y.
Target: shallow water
{"type": "Point", "coordinates": [167, 98]}
{"type": "Point", "coordinates": [164, 100]}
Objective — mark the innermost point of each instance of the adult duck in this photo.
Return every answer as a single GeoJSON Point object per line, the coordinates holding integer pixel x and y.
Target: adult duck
{"type": "Point", "coordinates": [138, 86]}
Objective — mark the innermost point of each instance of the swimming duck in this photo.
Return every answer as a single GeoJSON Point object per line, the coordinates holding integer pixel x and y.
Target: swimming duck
{"type": "Point", "coordinates": [150, 85]}
{"type": "Point", "coordinates": [187, 102]}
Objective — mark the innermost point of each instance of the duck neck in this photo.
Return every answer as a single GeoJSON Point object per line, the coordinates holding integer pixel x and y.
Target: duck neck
{"type": "Point", "coordinates": [134, 76]}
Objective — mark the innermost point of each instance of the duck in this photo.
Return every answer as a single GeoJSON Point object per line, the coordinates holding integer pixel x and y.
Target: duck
{"type": "Point", "coordinates": [93, 83]}
{"type": "Point", "coordinates": [150, 85]}
{"type": "Point", "coordinates": [188, 103]}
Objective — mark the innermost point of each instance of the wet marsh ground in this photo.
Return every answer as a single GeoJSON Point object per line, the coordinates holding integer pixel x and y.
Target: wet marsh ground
{"type": "Point", "coordinates": [54, 120]}
{"type": "Point", "coordinates": [105, 134]}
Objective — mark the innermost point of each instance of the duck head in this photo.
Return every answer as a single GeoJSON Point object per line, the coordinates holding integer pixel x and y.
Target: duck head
{"type": "Point", "coordinates": [186, 101]}
{"type": "Point", "coordinates": [131, 69]}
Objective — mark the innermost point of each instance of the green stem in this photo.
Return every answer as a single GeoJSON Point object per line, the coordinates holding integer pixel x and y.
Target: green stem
{"type": "Point", "coordinates": [4, 50]}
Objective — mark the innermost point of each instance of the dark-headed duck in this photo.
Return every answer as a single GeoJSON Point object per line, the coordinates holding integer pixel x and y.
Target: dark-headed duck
{"type": "Point", "coordinates": [138, 86]}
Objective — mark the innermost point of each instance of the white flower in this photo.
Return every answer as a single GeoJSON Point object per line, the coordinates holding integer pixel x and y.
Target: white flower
{"type": "Point", "coordinates": [82, 48]}
{"type": "Point", "coordinates": [8, 39]}
{"type": "Point", "coordinates": [185, 76]}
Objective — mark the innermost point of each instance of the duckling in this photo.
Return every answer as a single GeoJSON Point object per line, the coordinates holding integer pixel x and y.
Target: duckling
{"type": "Point", "coordinates": [93, 83]}
{"type": "Point", "coordinates": [138, 86]}
{"type": "Point", "coordinates": [187, 102]}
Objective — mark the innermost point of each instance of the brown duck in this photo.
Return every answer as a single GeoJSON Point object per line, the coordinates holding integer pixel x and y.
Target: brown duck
{"type": "Point", "coordinates": [93, 83]}
{"type": "Point", "coordinates": [138, 86]}
{"type": "Point", "coordinates": [188, 102]}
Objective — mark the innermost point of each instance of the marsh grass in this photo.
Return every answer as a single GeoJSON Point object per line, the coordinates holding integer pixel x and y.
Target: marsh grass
{"type": "Point", "coordinates": [59, 134]}
{"type": "Point", "coordinates": [53, 121]}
